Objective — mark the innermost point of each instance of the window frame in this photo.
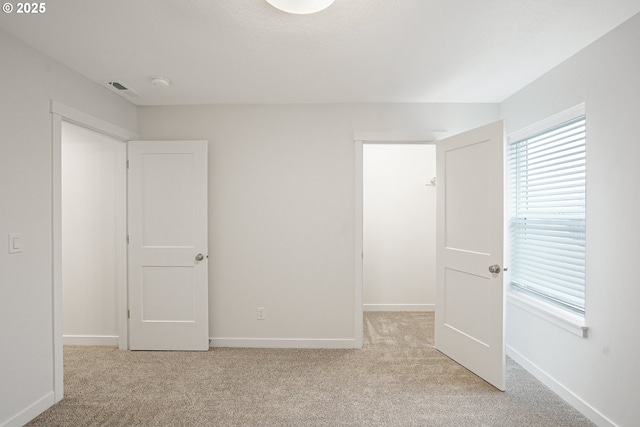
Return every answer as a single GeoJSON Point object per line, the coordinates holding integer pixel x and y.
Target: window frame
{"type": "Point", "coordinates": [560, 316]}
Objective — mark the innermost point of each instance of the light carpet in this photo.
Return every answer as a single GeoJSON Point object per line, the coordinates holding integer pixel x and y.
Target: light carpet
{"type": "Point", "coordinates": [397, 379]}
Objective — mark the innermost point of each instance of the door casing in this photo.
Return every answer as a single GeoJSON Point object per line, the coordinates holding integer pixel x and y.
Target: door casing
{"type": "Point", "coordinates": [359, 139]}
{"type": "Point", "coordinates": [60, 112]}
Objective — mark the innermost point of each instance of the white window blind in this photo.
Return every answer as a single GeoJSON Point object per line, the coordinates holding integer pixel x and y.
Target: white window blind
{"type": "Point", "coordinates": [547, 180]}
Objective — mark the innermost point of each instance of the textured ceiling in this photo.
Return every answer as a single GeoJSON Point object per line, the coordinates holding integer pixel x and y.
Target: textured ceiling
{"type": "Point", "coordinates": [245, 51]}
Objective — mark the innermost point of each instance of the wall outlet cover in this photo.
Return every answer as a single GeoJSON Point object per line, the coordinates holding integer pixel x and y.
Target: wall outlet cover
{"type": "Point", "coordinates": [15, 243]}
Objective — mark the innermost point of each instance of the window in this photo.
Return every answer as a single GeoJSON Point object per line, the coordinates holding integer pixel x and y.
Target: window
{"type": "Point", "coordinates": [547, 174]}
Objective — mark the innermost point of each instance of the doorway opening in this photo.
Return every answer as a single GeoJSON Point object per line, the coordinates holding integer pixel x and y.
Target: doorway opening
{"type": "Point", "coordinates": [61, 113]}
{"type": "Point", "coordinates": [362, 140]}
{"type": "Point", "coordinates": [469, 237]}
{"type": "Point", "coordinates": [399, 229]}
{"type": "Point", "coordinates": [93, 235]}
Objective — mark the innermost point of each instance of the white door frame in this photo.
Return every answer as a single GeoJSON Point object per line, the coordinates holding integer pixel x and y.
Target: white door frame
{"type": "Point", "coordinates": [60, 113]}
{"type": "Point", "coordinates": [359, 139]}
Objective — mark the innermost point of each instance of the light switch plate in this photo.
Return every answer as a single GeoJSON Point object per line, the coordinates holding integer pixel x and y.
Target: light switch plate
{"type": "Point", "coordinates": [15, 243]}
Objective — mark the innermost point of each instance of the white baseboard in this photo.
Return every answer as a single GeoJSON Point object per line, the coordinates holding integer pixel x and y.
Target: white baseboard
{"type": "Point", "coordinates": [578, 403]}
{"type": "Point", "coordinates": [282, 343]}
{"type": "Point", "coordinates": [90, 340]}
{"type": "Point", "coordinates": [30, 412]}
{"type": "Point", "coordinates": [399, 307]}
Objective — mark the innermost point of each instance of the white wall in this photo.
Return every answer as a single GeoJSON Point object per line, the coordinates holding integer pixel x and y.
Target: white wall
{"type": "Point", "coordinates": [28, 80]}
{"type": "Point", "coordinates": [282, 208]}
{"type": "Point", "coordinates": [599, 374]}
{"type": "Point", "coordinates": [399, 225]}
{"type": "Point", "coordinates": [93, 191]}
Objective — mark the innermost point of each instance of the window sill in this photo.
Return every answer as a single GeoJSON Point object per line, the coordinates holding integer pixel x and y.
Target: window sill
{"type": "Point", "coordinates": [570, 322]}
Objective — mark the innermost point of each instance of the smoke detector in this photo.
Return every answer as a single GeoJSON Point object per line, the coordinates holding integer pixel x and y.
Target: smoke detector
{"type": "Point", "coordinates": [160, 81]}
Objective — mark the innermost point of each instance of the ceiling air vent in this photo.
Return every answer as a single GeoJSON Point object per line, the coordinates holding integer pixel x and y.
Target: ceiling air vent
{"type": "Point", "coordinates": [121, 88]}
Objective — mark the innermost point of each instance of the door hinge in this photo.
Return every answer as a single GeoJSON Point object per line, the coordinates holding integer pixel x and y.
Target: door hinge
{"type": "Point", "coordinates": [127, 164]}
{"type": "Point", "coordinates": [128, 314]}
{"type": "Point", "coordinates": [127, 239]}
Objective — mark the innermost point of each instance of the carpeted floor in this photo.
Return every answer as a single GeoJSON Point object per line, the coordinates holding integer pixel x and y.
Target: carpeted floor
{"type": "Point", "coordinates": [398, 379]}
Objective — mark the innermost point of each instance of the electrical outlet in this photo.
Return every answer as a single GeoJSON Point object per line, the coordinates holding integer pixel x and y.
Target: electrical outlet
{"type": "Point", "coordinates": [262, 313]}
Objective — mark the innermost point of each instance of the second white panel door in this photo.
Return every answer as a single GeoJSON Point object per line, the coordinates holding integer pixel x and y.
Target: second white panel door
{"type": "Point", "coordinates": [168, 260]}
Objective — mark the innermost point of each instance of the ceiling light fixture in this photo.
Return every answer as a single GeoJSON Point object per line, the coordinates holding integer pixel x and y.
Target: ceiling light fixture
{"type": "Point", "coordinates": [301, 7]}
{"type": "Point", "coordinates": [160, 81]}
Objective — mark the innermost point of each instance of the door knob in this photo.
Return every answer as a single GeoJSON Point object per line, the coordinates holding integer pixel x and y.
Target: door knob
{"type": "Point", "coordinates": [199, 257]}
{"type": "Point", "coordinates": [495, 269]}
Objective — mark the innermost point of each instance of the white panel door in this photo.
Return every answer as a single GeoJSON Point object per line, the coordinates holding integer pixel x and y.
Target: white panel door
{"type": "Point", "coordinates": [469, 297]}
{"type": "Point", "coordinates": [168, 262]}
